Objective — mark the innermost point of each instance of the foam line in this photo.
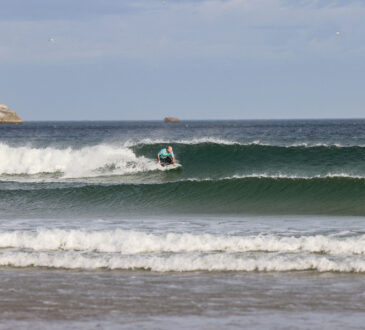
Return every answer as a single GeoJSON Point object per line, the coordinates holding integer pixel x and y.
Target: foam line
{"type": "Point", "coordinates": [133, 242]}
{"type": "Point", "coordinates": [185, 262]}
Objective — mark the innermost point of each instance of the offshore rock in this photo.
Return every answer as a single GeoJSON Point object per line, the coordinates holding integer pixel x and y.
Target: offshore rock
{"type": "Point", "coordinates": [171, 120]}
{"type": "Point", "coordinates": [8, 116]}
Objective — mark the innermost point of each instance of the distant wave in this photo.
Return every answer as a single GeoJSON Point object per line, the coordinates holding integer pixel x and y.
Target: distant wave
{"type": "Point", "coordinates": [204, 140]}
{"type": "Point", "coordinates": [278, 176]}
{"type": "Point", "coordinates": [294, 177]}
{"type": "Point", "coordinates": [228, 142]}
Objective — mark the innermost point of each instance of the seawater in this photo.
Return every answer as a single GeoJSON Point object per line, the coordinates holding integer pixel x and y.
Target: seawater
{"type": "Point", "coordinates": [270, 213]}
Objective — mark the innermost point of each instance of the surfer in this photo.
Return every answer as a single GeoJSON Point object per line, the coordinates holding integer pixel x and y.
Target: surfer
{"type": "Point", "coordinates": [166, 156]}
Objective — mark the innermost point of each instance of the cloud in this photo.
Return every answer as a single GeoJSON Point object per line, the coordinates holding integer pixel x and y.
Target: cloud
{"type": "Point", "coordinates": [152, 31]}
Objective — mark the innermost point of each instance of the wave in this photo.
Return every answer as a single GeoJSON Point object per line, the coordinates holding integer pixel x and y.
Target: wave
{"type": "Point", "coordinates": [231, 145]}
{"type": "Point", "coordinates": [133, 242]}
{"type": "Point", "coordinates": [330, 196]}
{"type": "Point", "coordinates": [88, 161]}
{"type": "Point", "coordinates": [208, 159]}
{"type": "Point", "coordinates": [203, 140]}
{"type": "Point", "coordinates": [288, 176]}
{"type": "Point", "coordinates": [222, 160]}
{"type": "Point", "coordinates": [178, 252]}
{"type": "Point", "coordinates": [185, 262]}
{"type": "Point", "coordinates": [229, 142]}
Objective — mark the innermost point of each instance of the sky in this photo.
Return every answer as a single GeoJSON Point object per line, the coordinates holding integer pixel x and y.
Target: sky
{"type": "Point", "coordinates": [202, 59]}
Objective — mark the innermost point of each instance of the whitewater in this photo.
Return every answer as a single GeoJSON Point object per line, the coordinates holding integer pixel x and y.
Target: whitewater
{"type": "Point", "coordinates": [181, 252]}
{"type": "Point", "coordinates": [72, 163]}
{"type": "Point", "coordinates": [131, 242]}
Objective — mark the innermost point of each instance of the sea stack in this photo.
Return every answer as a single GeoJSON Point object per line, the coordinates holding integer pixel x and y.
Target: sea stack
{"type": "Point", "coordinates": [172, 120]}
{"type": "Point", "coordinates": [8, 116]}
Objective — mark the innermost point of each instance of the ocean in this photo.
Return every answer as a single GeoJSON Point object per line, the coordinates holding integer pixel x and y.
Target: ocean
{"type": "Point", "coordinates": [260, 225]}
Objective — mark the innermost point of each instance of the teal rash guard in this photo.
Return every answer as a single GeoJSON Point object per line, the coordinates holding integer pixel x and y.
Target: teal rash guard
{"type": "Point", "coordinates": [164, 154]}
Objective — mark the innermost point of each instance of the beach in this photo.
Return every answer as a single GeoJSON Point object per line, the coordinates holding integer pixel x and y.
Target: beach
{"type": "Point", "coordinates": [259, 225]}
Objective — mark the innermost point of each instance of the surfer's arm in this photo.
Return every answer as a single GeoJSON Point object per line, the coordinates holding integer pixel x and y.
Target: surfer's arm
{"type": "Point", "coordinates": [158, 158]}
{"type": "Point", "coordinates": [173, 160]}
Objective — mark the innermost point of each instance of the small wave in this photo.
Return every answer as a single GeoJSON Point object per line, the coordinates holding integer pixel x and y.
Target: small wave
{"type": "Point", "coordinates": [293, 176]}
{"type": "Point", "coordinates": [132, 242]}
{"type": "Point", "coordinates": [228, 142]}
{"type": "Point", "coordinates": [180, 252]}
{"type": "Point", "coordinates": [216, 262]}
{"type": "Point", "coordinates": [277, 176]}
{"type": "Point", "coordinates": [213, 140]}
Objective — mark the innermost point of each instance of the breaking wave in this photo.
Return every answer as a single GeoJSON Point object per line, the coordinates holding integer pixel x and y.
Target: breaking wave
{"type": "Point", "coordinates": [130, 250]}
{"type": "Point", "coordinates": [214, 177]}
{"type": "Point", "coordinates": [200, 158]}
{"type": "Point", "coordinates": [73, 163]}
{"type": "Point", "coordinates": [133, 242]}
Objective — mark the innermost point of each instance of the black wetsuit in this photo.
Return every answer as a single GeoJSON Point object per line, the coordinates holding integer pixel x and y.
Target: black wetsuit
{"type": "Point", "coordinates": [165, 161]}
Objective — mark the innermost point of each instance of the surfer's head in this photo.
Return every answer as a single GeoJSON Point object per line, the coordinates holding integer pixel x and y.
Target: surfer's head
{"type": "Point", "coordinates": [169, 149]}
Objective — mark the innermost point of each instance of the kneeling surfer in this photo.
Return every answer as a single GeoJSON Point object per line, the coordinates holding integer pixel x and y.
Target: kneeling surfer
{"type": "Point", "coordinates": [166, 156]}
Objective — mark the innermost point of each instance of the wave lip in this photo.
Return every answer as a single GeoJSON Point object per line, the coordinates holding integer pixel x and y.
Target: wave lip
{"type": "Point", "coordinates": [193, 141]}
{"type": "Point", "coordinates": [231, 142]}
{"type": "Point", "coordinates": [294, 176]}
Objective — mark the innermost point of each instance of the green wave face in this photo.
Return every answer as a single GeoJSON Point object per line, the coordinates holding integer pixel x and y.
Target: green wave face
{"type": "Point", "coordinates": [214, 179]}
{"type": "Point", "coordinates": [330, 196]}
{"type": "Point", "coordinates": [213, 160]}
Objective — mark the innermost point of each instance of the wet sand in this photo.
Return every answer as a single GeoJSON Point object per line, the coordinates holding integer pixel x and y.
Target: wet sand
{"type": "Point", "coordinates": [37, 298]}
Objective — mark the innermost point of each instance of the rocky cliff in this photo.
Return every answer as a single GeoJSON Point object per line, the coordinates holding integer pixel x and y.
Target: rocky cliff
{"type": "Point", "coordinates": [8, 116]}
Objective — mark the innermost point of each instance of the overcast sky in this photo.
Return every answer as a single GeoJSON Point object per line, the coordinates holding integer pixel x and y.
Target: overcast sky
{"type": "Point", "coordinates": [212, 59]}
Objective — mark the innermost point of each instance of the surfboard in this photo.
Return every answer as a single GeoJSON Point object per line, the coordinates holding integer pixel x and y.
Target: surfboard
{"type": "Point", "coordinates": [171, 166]}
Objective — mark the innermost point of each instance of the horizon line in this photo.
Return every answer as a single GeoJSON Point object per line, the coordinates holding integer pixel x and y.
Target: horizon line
{"type": "Point", "coordinates": [184, 120]}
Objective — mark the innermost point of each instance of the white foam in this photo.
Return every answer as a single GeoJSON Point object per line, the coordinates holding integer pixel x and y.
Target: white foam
{"type": "Point", "coordinates": [216, 140]}
{"type": "Point", "coordinates": [124, 249]}
{"type": "Point", "coordinates": [192, 141]}
{"type": "Point", "coordinates": [88, 161]}
{"type": "Point", "coordinates": [133, 242]}
{"type": "Point", "coordinates": [278, 176]}
{"type": "Point", "coordinates": [185, 262]}
{"type": "Point", "coordinates": [294, 176]}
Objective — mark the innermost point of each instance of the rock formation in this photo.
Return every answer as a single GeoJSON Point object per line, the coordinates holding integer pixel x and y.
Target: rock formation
{"type": "Point", "coordinates": [8, 116]}
{"type": "Point", "coordinates": [171, 120]}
